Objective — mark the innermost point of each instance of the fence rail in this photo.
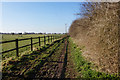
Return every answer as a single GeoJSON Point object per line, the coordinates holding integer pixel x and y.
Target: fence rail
{"type": "Point", "coordinates": [50, 38]}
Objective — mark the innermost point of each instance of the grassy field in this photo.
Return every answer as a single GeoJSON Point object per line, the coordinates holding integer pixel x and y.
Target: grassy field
{"type": "Point", "coordinates": [11, 45]}
{"type": "Point", "coordinates": [27, 64]}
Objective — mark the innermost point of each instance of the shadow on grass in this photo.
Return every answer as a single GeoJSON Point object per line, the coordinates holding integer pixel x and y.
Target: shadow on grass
{"type": "Point", "coordinates": [25, 58]}
{"type": "Point", "coordinates": [65, 61]}
{"type": "Point", "coordinates": [56, 61]}
{"type": "Point", "coordinates": [37, 68]}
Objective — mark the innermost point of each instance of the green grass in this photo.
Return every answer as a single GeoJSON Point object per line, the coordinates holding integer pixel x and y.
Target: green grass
{"type": "Point", "coordinates": [84, 67]}
{"type": "Point", "coordinates": [11, 45]}
{"type": "Point", "coordinates": [31, 60]}
{"type": "Point", "coordinates": [48, 51]}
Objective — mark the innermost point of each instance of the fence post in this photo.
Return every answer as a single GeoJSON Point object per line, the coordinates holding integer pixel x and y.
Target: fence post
{"type": "Point", "coordinates": [51, 38]}
{"type": "Point", "coordinates": [48, 39]}
{"type": "Point", "coordinates": [17, 48]}
{"type": "Point", "coordinates": [44, 40]}
{"type": "Point", "coordinates": [31, 45]}
{"type": "Point", "coordinates": [39, 41]}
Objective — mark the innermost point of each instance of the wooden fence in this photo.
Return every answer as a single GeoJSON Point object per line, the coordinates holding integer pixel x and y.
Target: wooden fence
{"type": "Point", "coordinates": [50, 38]}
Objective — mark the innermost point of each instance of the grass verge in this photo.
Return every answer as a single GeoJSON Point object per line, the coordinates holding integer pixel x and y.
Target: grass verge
{"type": "Point", "coordinates": [84, 67]}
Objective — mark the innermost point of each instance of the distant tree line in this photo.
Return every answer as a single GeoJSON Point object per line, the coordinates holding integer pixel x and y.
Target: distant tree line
{"type": "Point", "coordinates": [12, 33]}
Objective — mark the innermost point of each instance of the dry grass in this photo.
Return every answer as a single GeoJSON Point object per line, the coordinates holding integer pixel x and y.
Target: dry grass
{"type": "Point", "coordinates": [98, 32]}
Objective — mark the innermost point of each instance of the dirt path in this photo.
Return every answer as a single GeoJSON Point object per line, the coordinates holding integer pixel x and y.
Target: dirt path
{"type": "Point", "coordinates": [54, 66]}
{"type": "Point", "coordinates": [58, 63]}
{"type": "Point", "coordinates": [70, 67]}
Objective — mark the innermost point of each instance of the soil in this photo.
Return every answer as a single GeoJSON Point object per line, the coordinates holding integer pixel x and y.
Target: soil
{"type": "Point", "coordinates": [54, 67]}
{"type": "Point", "coordinates": [57, 65]}
{"type": "Point", "coordinates": [71, 72]}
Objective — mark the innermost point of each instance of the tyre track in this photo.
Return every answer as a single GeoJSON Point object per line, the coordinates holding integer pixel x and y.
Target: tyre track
{"type": "Point", "coordinates": [54, 68]}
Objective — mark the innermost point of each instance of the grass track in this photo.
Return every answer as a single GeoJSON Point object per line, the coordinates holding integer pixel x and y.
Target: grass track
{"type": "Point", "coordinates": [27, 64]}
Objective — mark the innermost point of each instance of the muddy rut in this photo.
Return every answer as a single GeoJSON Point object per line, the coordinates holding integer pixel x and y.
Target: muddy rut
{"type": "Point", "coordinates": [54, 66]}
